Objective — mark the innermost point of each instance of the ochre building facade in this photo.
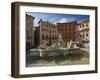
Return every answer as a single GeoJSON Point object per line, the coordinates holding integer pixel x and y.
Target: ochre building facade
{"type": "Point", "coordinates": [48, 32]}
{"type": "Point", "coordinates": [83, 30]}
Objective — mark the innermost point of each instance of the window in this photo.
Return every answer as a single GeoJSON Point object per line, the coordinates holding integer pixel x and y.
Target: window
{"type": "Point", "coordinates": [50, 31]}
{"type": "Point", "coordinates": [53, 30]}
{"type": "Point", "coordinates": [73, 29]}
{"type": "Point", "coordinates": [42, 29]}
{"type": "Point", "coordinates": [47, 30]}
{"type": "Point", "coordinates": [65, 29]}
{"type": "Point", "coordinates": [53, 36]}
{"type": "Point", "coordinates": [80, 35]}
{"type": "Point", "coordinates": [69, 29]}
{"type": "Point", "coordinates": [86, 25]}
{"type": "Point", "coordinates": [80, 26]}
{"type": "Point", "coordinates": [87, 35]}
{"type": "Point", "coordinates": [83, 25]}
{"type": "Point", "coordinates": [58, 29]}
{"type": "Point", "coordinates": [83, 35]}
{"type": "Point", "coordinates": [42, 36]}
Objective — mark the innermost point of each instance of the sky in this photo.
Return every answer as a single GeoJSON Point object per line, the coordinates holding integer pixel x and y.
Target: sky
{"type": "Point", "coordinates": [57, 18]}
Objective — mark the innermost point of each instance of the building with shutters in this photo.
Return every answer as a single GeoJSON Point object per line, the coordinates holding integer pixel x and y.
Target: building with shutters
{"type": "Point", "coordinates": [68, 31]}
{"type": "Point", "coordinates": [48, 33]}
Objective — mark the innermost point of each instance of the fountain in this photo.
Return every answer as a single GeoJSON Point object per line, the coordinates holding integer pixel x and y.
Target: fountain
{"type": "Point", "coordinates": [59, 48]}
{"type": "Point", "coordinates": [60, 40]}
{"type": "Point", "coordinates": [53, 50]}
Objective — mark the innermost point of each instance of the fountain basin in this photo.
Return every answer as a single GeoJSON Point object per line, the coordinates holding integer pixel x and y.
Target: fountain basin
{"type": "Point", "coordinates": [49, 52]}
{"type": "Point", "coordinates": [55, 52]}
